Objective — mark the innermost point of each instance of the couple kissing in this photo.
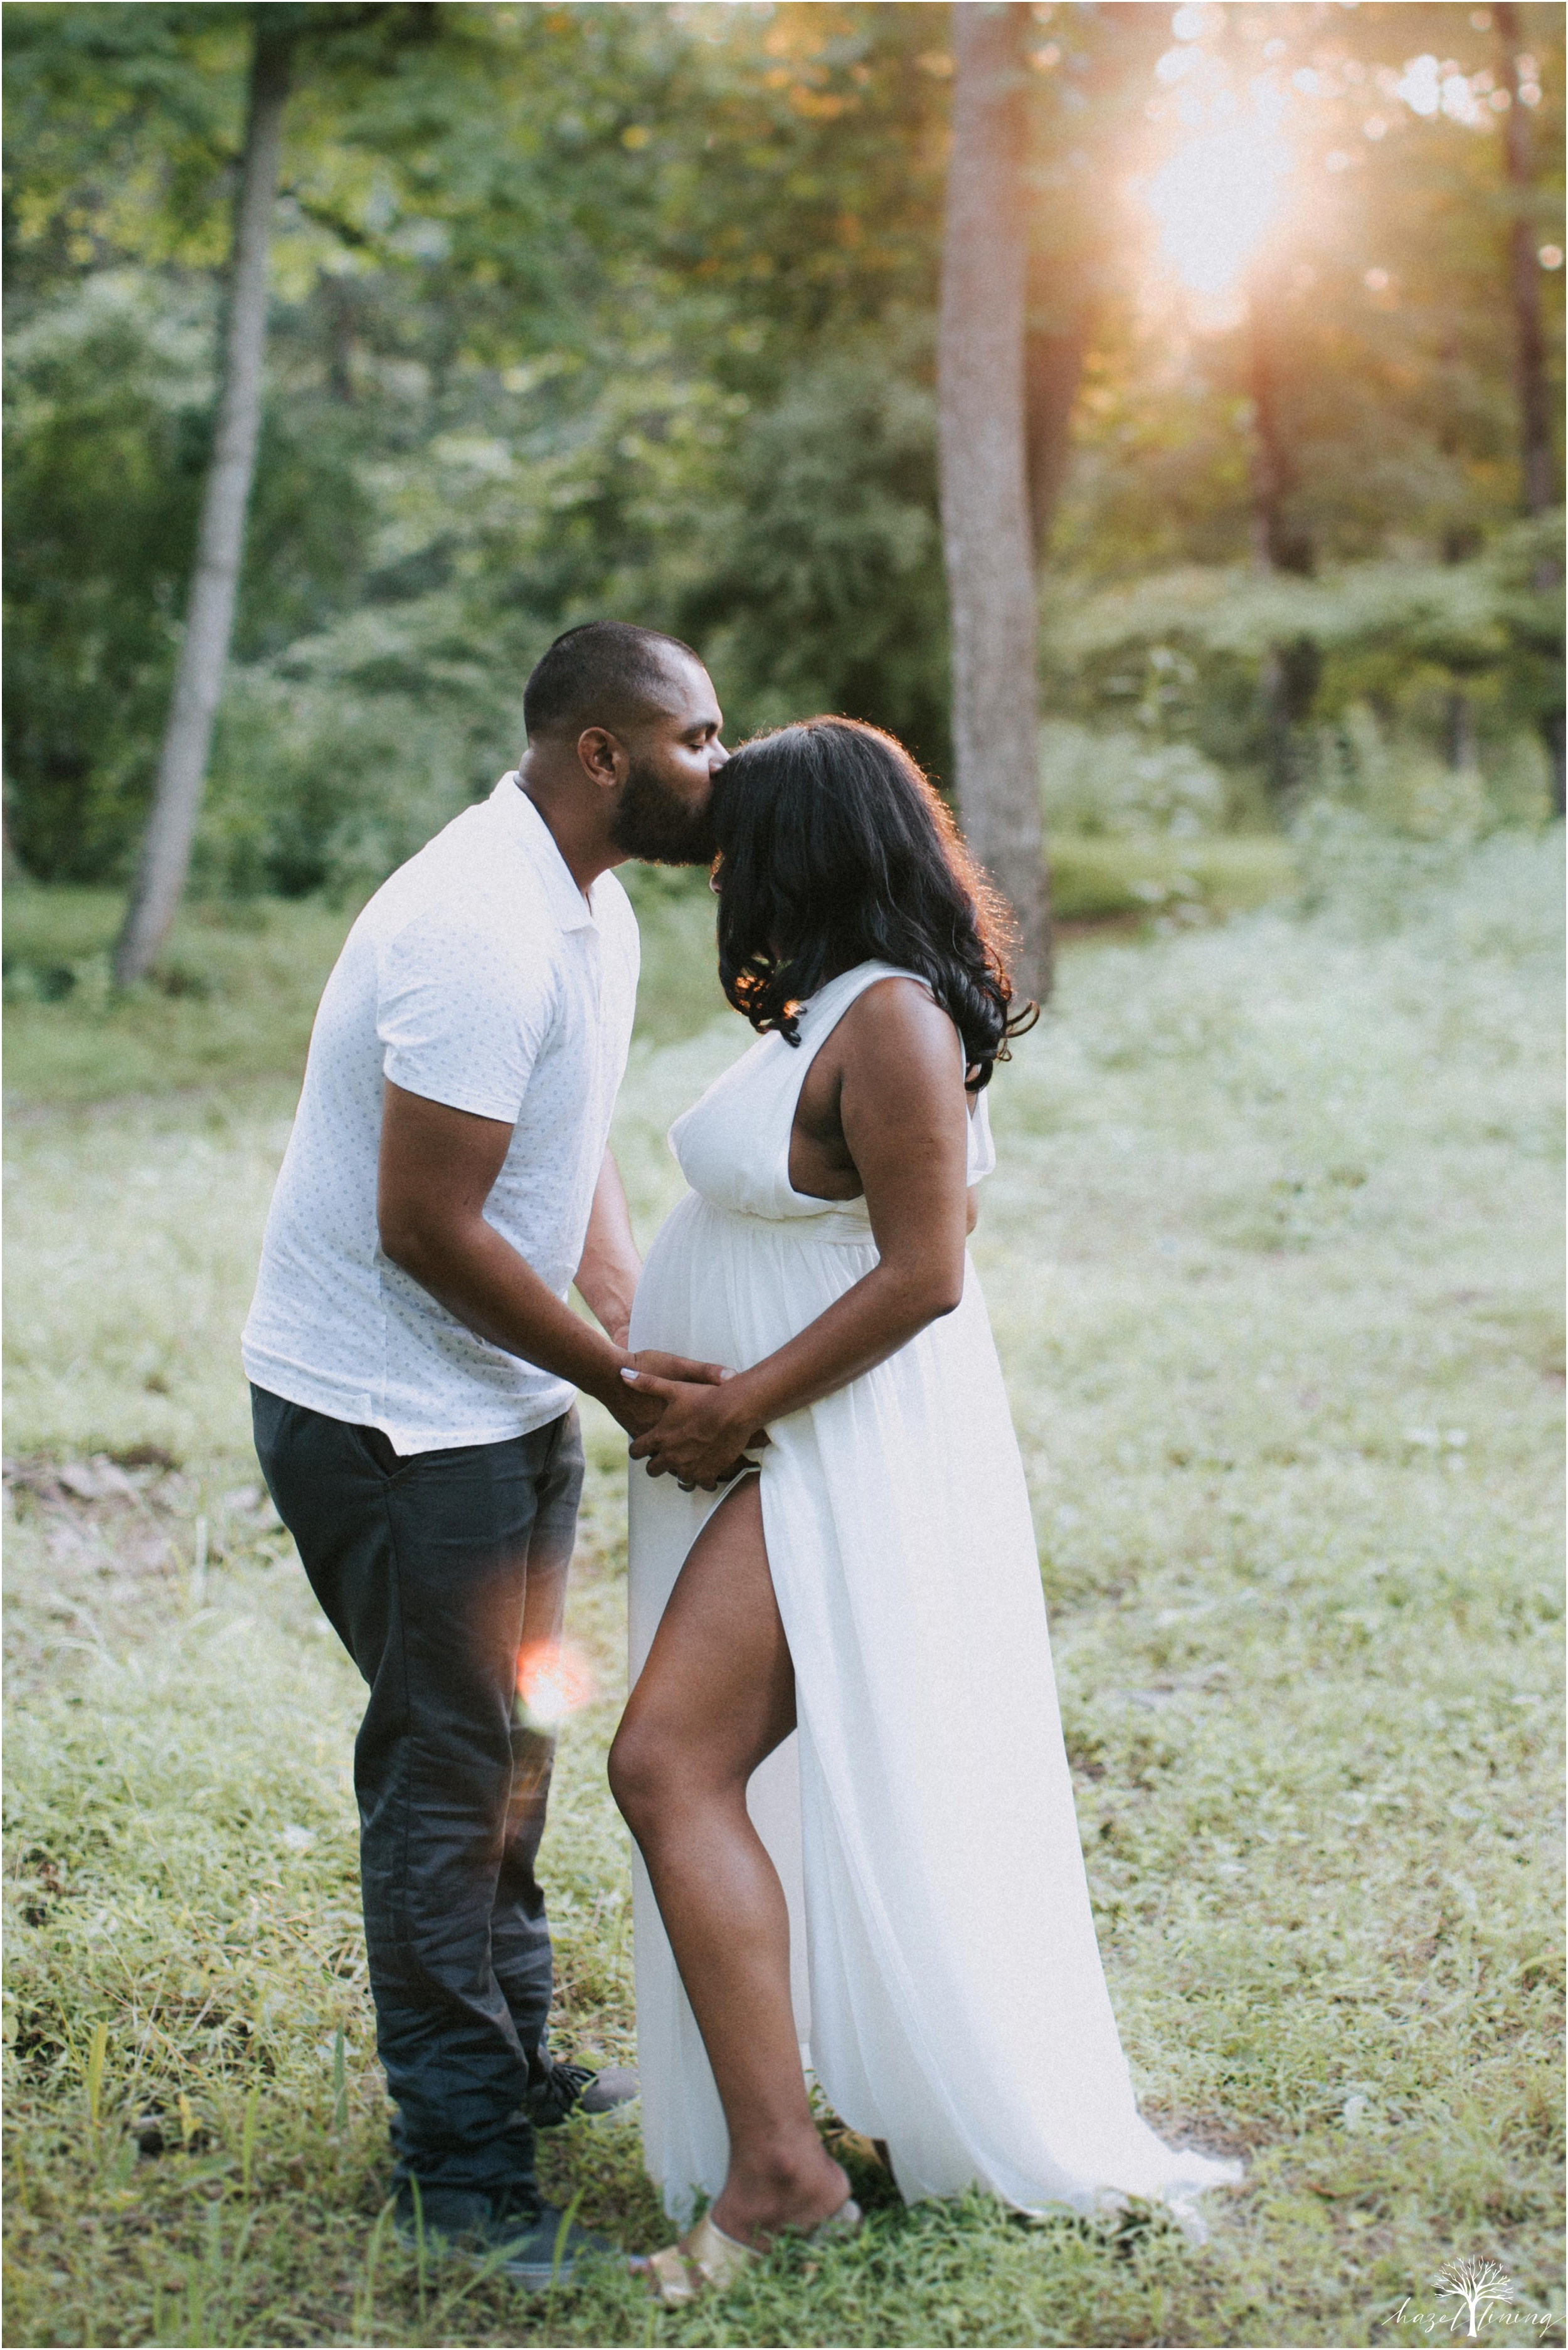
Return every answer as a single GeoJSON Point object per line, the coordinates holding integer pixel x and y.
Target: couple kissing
{"type": "Point", "coordinates": [856, 1857]}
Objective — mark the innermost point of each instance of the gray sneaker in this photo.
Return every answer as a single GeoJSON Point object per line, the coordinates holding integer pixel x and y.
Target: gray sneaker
{"type": "Point", "coordinates": [577, 2089]}
{"type": "Point", "coordinates": [537, 2245]}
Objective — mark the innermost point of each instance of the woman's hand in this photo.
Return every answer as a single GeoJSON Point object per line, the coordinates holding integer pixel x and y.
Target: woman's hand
{"type": "Point", "coordinates": [638, 1413]}
{"type": "Point", "coordinates": [703, 1433]}
{"type": "Point", "coordinates": [903, 1116]}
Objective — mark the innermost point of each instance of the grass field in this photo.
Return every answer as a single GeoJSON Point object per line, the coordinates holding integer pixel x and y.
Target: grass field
{"type": "Point", "coordinates": [1270, 1256]}
{"type": "Point", "coordinates": [237, 989]}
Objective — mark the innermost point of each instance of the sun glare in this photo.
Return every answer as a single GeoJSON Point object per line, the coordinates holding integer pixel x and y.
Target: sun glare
{"type": "Point", "coordinates": [1216, 198]}
{"type": "Point", "coordinates": [554, 1680]}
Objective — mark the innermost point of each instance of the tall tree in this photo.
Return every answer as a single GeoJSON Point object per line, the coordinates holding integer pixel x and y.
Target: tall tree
{"type": "Point", "coordinates": [1289, 680]}
{"type": "Point", "coordinates": [1536, 467]}
{"type": "Point", "coordinates": [1524, 274]}
{"type": "Point", "coordinates": [1279, 541]}
{"type": "Point", "coordinates": [209, 612]}
{"type": "Point", "coordinates": [986, 526]}
{"type": "Point", "coordinates": [1094, 75]}
{"type": "Point", "coordinates": [1053, 372]}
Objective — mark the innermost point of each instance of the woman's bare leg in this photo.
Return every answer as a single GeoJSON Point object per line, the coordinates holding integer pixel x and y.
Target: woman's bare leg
{"type": "Point", "coordinates": [713, 1699]}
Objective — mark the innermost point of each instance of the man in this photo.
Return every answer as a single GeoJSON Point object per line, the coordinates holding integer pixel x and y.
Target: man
{"type": "Point", "coordinates": [413, 1360]}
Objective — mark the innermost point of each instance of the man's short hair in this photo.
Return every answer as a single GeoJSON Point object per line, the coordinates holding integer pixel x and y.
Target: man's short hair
{"type": "Point", "coordinates": [604, 674]}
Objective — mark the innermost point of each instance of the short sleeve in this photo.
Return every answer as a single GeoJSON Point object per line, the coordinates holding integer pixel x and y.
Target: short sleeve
{"type": "Point", "coordinates": [463, 1013]}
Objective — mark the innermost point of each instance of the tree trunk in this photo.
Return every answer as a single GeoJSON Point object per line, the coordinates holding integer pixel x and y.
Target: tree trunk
{"type": "Point", "coordinates": [986, 530]}
{"type": "Point", "coordinates": [1552, 736]}
{"type": "Point", "coordinates": [1462, 750]}
{"type": "Point", "coordinates": [1053, 371]}
{"type": "Point", "coordinates": [340, 323]}
{"type": "Point", "coordinates": [1279, 544]}
{"type": "Point", "coordinates": [1539, 488]}
{"type": "Point", "coordinates": [1524, 278]}
{"type": "Point", "coordinates": [1290, 673]}
{"type": "Point", "coordinates": [1066, 276]}
{"type": "Point", "coordinates": [209, 619]}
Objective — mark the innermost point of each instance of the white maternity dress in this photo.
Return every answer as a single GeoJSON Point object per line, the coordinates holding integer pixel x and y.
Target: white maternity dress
{"type": "Point", "coordinates": [947, 1986]}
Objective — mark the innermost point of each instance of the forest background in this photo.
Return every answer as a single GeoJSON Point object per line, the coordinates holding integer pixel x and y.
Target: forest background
{"type": "Point", "coordinates": [635, 309]}
{"type": "Point", "coordinates": [631, 309]}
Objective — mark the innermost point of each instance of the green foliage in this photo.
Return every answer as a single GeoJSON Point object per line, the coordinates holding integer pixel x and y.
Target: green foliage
{"type": "Point", "coordinates": [339, 761]}
{"type": "Point", "coordinates": [1384, 282]}
{"type": "Point", "coordinates": [107, 395]}
{"type": "Point", "coordinates": [587, 309]}
{"type": "Point", "coordinates": [1263, 1255]}
{"type": "Point", "coordinates": [235, 994]}
{"type": "Point", "coordinates": [1453, 616]}
{"type": "Point", "coordinates": [126, 115]}
{"type": "Point", "coordinates": [1181, 654]}
{"type": "Point", "coordinates": [523, 365]}
{"type": "Point", "coordinates": [1119, 782]}
{"type": "Point", "coordinates": [821, 584]}
{"type": "Point", "coordinates": [1100, 877]}
{"type": "Point", "coordinates": [108, 429]}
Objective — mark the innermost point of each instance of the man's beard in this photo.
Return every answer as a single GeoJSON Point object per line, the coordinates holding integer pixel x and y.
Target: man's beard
{"type": "Point", "coordinates": [654, 823]}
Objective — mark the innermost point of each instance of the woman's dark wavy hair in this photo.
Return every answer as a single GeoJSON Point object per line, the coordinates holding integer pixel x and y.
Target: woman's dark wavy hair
{"type": "Point", "coordinates": [833, 850]}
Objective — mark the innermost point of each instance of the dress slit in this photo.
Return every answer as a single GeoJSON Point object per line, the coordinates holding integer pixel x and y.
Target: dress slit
{"type": "Point", "coordinates": [946, 1981]}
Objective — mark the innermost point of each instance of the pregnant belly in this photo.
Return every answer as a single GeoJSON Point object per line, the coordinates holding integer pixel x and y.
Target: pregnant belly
{"type": "Point", "coordinates": [731, 1289]}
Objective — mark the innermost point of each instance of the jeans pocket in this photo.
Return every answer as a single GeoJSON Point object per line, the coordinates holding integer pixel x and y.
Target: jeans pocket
{"type": "Point", "coordinates": [566, 1442]}
{"type": "Point", "coordinates": [379, 1448]}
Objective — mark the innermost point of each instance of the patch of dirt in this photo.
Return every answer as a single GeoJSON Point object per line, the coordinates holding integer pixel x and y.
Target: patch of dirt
{"type": "Point", "coordinates": [98, 1539]}
{"type": "Point", "coordinates": [98, 1519]}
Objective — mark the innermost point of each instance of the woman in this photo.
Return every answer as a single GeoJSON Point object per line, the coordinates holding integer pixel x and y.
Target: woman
{"type": "Point", "coordinates": [844, 1720]}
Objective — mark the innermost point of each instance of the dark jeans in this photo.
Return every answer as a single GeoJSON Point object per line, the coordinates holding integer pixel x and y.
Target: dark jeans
{"type": "Point", "coordinates": [436, 1569]}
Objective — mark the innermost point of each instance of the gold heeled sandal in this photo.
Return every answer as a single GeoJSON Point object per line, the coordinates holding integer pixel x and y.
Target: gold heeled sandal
{"type": "Point", "coordinates": [706, 2260]}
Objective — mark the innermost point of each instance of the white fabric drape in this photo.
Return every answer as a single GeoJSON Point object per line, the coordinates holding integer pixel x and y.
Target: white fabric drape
{"type": "Point", "coordinates": [947, 1976]}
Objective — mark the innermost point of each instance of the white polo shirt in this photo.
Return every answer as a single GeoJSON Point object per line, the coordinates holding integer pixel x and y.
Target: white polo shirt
{"type": "Point", "coordinates": [479, 976]}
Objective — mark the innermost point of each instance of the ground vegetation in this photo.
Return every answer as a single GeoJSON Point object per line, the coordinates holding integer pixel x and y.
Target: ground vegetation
{"type": "Point", "coordinates": [1266, 1255]}
{"type": "Point", "coordinates": [578, 310]}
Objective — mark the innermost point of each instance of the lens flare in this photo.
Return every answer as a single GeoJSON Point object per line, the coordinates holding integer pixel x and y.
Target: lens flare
{"type": "Point", "coordinates": [1215, 200]}
{"type": "Point", "coordinates": [554, 1680]}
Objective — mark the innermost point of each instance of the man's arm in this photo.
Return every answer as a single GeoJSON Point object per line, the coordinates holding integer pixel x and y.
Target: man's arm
{"type": "Point", "coordinates": [607, 1277]}
{"type": "Point", "coordinates": [438, 1168]}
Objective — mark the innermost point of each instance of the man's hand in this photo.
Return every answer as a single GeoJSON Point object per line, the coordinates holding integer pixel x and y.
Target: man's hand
{"type": "Point", "coordinates": [704, 1430]}
{"type": "Point", "coordinates": [637, 1412]}
{"type": "Point", "coordinates": [680, 1367]}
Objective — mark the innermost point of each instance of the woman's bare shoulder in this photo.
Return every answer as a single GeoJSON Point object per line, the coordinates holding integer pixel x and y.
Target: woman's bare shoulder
{"type": "Point", "coordinates": [897, 1005]}
{"type": "Point", "coordinates": [899, 1020]}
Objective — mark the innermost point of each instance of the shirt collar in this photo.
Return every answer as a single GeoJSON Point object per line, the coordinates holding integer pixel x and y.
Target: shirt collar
{"type": "Point", "coordinates": [533, 837]}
